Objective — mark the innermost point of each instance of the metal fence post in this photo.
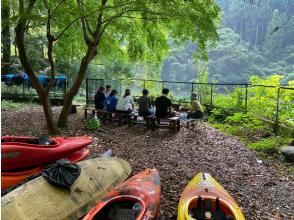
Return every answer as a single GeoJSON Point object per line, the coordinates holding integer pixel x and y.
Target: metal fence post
{"type": "Point", "coordinates": [192, 87]}
{"type": "Point", "coordinates": [162, 84]}
{"type": "Point", "coordinates": [277, 112]}
{"type": "Point", "coordinates": [87, 92]}
{"type": "Point", "coordinates": [246, 97]}
{"type": "Point", "coordinates": [211, 93]}
{"type": "Point", "coordinates": [144, 84]}
{"type": "Point", "coordinates": [23, 89]}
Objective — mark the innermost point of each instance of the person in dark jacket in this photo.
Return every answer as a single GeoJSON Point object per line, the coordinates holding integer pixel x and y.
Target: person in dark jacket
{"type": "Point", "coordinates": [100, 98]}
{"type": "Point", "coordinates": [163, 105]}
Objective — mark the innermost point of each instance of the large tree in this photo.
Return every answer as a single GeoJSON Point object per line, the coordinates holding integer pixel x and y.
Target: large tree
{"type": "Point", "coordinates": [134, 28]}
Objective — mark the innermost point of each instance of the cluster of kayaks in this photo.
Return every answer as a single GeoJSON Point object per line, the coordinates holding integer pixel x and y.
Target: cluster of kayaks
{"type": "Point", "coordinates": [22, 157]}
{"type": "Point", "coordinates": [102, 192]}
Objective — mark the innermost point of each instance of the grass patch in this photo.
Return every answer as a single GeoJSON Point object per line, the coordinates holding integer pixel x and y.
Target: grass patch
{"type": "Point", "coordinates": [11, 105]}
{"type": "Point", "coordinates": [256, 134]}
{"type": "Point", "coordinates": [270, 145]}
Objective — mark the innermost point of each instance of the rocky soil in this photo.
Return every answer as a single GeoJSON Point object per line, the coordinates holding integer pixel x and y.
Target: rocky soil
{"type": "Point", "coordinates": [264, 188]}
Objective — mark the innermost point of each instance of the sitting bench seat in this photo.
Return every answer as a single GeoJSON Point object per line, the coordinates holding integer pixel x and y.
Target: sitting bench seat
{"type": "Point", "coordinates": [135, 119]}
{"type": "Point", "coordinates": [173, 123]}
{"type": "Point", "coordinates": [105, 116]}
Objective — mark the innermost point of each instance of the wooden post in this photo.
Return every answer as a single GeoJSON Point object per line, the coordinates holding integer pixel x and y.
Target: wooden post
{"type": "Point", "coordinates": [211, 93]}
{"type": "Point", "coordinates": [87, 92]}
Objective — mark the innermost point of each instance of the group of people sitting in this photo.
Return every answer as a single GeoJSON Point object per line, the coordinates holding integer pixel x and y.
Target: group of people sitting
{"type": "Point", "coordinates": [105, 99]}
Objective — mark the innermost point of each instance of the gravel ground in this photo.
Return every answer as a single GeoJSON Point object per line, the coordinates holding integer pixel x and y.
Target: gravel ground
{"type": "Point", "coordinates": [263, 188]}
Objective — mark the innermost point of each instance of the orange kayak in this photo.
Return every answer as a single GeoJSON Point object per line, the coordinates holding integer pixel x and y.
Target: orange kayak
{"type": "Point", "coordinates": [9, 179]}
{"type": "Point", "coordinates": [137, 198]}
{"type": "Point", "coordinates": [205, 198]}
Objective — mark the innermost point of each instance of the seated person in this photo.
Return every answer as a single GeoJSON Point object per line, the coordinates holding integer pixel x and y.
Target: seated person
{"type": "Point", "coordinates": [126, 103]}
{"type": "Point", "coordinates": [145, 104]}
{"type": "Point", "coordinates": [99, 98]}
{"type": "Point", "coordinates": [163, 105]}
{"type": "Point", "coordinates": [111, 101]}
{"type": "Point", "coordinates": [196, 110]}
{"type": "Point", "coordinates": [107, 91]}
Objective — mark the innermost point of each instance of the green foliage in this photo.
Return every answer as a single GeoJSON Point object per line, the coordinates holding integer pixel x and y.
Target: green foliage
{"type": "Point", "coordinates": [7, 105]}
{"type": "Point", "coordinates": [203, 90]}
{"type": "Point", "coordinates": [220, 114]}
{"type": "Point", "coordinates": [270, 145]}
{"type": "Point", "coordinates": [93, 124]}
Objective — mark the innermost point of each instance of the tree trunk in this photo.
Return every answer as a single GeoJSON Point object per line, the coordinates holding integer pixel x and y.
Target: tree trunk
{"type": "Point", "coordinates": [73, 90]}
{"type": "Point", "coordinates": [6, 42]}
{"type": "Point", "coordinates": [42, 94]}
{"type": "Point", "coordinates": [51, 125]}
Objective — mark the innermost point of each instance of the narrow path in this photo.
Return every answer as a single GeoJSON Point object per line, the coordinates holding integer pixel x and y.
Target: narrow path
{"type": "Point", "coordinates": [254, 183]}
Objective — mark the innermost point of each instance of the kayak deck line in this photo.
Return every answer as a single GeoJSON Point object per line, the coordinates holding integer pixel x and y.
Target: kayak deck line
{"type": "Point", "coordinates": [205, 198]}
{"type": "Point", "coordinates": [137, 198]}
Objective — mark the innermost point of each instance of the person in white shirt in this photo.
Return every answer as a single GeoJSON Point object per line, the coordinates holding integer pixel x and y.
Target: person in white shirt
{"type": "Point", "coordinates": [126, 103]}
{"type": "Point", "coordinates": [107, 91]}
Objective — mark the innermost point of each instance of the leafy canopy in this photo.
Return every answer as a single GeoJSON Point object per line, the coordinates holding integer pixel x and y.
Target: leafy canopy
{"type": "Point", "coordinates": [135, 29]}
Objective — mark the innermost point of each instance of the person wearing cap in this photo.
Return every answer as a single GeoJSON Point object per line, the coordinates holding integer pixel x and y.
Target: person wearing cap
{"type": "Point", "coordinates": [196, 110]}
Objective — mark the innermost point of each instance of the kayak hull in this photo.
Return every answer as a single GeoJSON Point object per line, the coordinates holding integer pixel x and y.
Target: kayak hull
{"type": "Point", "coordinates": [9, 179]}
{"type": "Point", "coordinates": [21, 152]}
{"type": "Point", "coordinates": [203, 187]}
{"type": "Point", "coordinates": [37, 199]}
{"type": "Point", "coordinates": [143, 189]}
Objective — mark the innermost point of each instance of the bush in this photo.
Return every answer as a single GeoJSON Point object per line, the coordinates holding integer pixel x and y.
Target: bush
{"type": "Point", "coordinates": [269, 145]}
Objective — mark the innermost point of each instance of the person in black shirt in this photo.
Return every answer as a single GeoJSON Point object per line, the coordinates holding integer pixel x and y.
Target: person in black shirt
{"type": "Point", "coordinates": [99, 98]}
{"type": "Point", "coordinates": [163, 105]}
{"type": "Point", "coordinates": [145, 104]}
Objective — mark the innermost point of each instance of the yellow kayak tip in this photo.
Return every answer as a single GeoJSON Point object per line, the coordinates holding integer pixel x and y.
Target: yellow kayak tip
{"type": "Point", "coordinates": [204, 198]}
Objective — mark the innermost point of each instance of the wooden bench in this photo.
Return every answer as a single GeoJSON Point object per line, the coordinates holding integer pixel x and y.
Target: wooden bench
{"type": "Point", "coordinates": [105, 116]}
{"type": "Point", "coordinates": [148, 121]}
{"type": "Point", "coordinates": [192, 121]}
{"type": "Point", "coordinates": [173, 123]}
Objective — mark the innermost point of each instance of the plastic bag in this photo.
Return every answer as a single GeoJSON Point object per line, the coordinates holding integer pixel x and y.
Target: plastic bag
{"type": "Point", "coordinates": [62, 173]}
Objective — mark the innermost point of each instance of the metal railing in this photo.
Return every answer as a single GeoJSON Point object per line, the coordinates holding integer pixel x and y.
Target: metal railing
{"type": "Point", "coordinates": [266, 101]}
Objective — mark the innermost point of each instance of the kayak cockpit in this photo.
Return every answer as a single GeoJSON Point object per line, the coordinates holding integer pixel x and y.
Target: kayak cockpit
{"type": "Point", "coordinates": [209, 208]}
{"type": "Point", "coordinates": [41, 141]}
{"type": "Point", "coordinates": [120, 208]}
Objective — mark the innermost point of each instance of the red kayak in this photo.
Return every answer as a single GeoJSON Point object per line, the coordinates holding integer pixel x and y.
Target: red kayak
{"type": "Point", "coordinates": [9, 179]}
{"type": "Point", "coordinates": [138, 198]}
{"type": "Point", "coordinates": [22, 152]}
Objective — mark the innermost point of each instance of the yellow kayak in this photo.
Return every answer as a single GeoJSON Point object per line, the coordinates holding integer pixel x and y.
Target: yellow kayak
{"type": "Point", "coordinates": [205, 198]}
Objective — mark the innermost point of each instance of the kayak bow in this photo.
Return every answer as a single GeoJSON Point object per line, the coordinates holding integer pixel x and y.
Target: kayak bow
{"type": "Point", "coordinates": [205, 198]}
{"type": "Point", "coordinates": [137, 198]}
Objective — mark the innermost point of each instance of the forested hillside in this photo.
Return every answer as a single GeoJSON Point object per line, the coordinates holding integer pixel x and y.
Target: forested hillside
{"type": "Point", "coordinates": [255, 39]}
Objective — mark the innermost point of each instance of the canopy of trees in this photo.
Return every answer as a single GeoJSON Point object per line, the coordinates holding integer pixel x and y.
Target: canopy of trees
{"type": "Point", "coordinates": [255, 39]}
{"type": "Point", "coordinates": [75, 32]}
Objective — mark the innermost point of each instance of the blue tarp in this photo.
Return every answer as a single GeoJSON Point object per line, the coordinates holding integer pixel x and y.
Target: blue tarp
{"type": "Point", "coordinates": [22, 78]}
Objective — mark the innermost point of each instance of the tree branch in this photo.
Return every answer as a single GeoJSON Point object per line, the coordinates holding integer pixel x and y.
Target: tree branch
{"type": "Point", "coordinates": [99, 20]}
{"type": "Point", "coordinates": [51, 40]}
{"type": "Point", "coordinates": [57, 7]}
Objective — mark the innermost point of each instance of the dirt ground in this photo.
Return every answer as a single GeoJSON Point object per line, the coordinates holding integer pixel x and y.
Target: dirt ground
{"type": "Point", "coordinates": [264, 188]}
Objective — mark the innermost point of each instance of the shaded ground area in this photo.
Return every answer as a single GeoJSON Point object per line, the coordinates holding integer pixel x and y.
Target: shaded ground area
{"type": "Point", "coordinates": [263, 188]}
